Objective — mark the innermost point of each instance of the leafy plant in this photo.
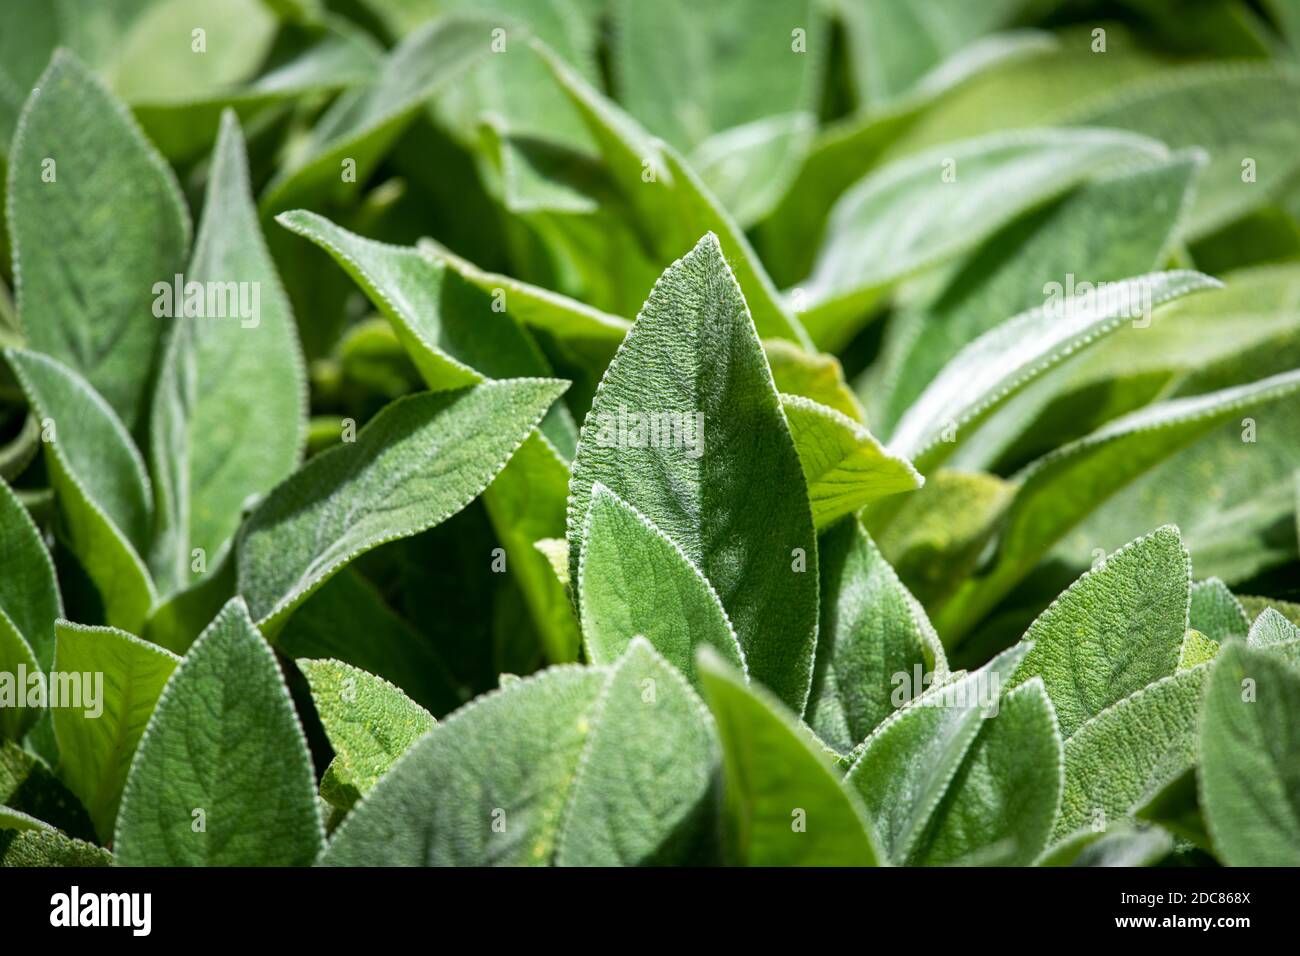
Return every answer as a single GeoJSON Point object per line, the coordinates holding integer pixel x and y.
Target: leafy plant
{"type": "Point", "coordinates": [615, 433]}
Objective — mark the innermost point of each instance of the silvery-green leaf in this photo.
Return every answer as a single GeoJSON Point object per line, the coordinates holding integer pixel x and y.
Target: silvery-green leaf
{"type": "Point", "coordinates": [588, 766]}
{"type": "Point", "coordinates": [634, 581]}
{"type": "Point", "coordinates": [1005, 359]}
{"type": "Point", "coordinates": [417, 463]}
{"type": "Point", "coordinates": [729, 494]}
{"type": "Point", "coordinates": [223, 746]}
{"type": "Point", "coordinates": [96, 743]}
{"type": "Point", "coordinates": [669, 199]}
{"type": "Point", "coordinates": [99, 480]}
{"type": "Point", "coordinates": [813, 375]}
{"type": "Point", "coordinates": [844, 466]}
{"type": "Point", "coordinates": [1121, 845]}
{"type": "Point", "coordinates": [28, 785]}
{"type": "Point", "coordinates": [1117, 629]}
{"type": "Point", "coordinates": [229, 414]}
{"type": "Point", "coordinates": [1137, 744]}
{"type": "Point", "coordinates": [1234, 111]}
{"type": "Point", "coordinates": [784, 803]}
{"type": "Point", "coordinates": [369, 723]}
{"type": "Point", "coordinates": [748, 167]}
{"type": "Point", "coordinates": [874, 639]}
{"type": "Point", "coordinates": [96, 219]}
{"type": "Point", "coordinates": [1269, 629]}
{"type": "Point", "coordinates": [1250, 759]}
{"type": "Point", "coordinates": [1196, 649]}
{"type": "Point", "coordinates": [923, 209]}
{"type": "Point", "coordinates": [904, 770]}
{"type": "Point", "coordinates": [29, 592]}
{"type": "Point", "coordinates": [17, 660]}
{"type": "Point", "coordinates": [1117, 225]}
{"type": "Point", "coordinates": [1215, 612]}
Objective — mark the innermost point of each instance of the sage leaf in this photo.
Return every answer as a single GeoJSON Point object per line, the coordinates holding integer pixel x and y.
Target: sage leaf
{"type": "Point", "coordinates": [693, 356]}
{"type": "Point", "coordinates": [29, 592]}
{"type": "Point", "coordinates": [1117, 629]}
{"type": "Point", "coordinates": [96, 743]}
{"type": "Point", "coordinates": [417, 463]}
{"type": "Point", "coordinates": [223, 747]}
{"type": "Point", "coordinates": [85, 295]}
{"type": "Point", "coordinates": [784, 802]}
{"type": "Point", "coordinates": [634, 581]}
{"type": "Point", "coordinates": [1249, 787]}
{"type": "Point", "coordinates": [1215, 612]}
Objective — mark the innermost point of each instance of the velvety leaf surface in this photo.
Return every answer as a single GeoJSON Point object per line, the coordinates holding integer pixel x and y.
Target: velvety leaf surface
{"type": "Point", "coordinates": [90, 243]}
{"type": "Point", "coordinates": [29, 593]}
{"type": "Point", "coordinates": [369, 722]}
{"type": "Point", "coordinates": [1215, 612]}
{"type": "Point", "coordinates": [1250, 774]}
{"type": "Point", "coordinates": [1116, 630]}
{"type": "Point", "coordinates": [1132, 747]}
{"type": "Point", "coordinates": [784, 802]}
{"type": "Point", "coordinates": [418, 462]}
{"type": "Point", "coordinates": [874, 640]}
{"type": "Point", "coordinates": [734, 500]}
{"type": "Point", "coordinates": [222, 776]}
{"type": "Point", "coordinates": [96, 744]}
{"type": "Point", "coordinates": [229, 416]}
{"type": "Point", "coordinates": [634, 581]}
{"type": "Point", "coordinates": [844, 466]}
{"type": "Point", "coordinates": [560, 739]}
{"type": "Point", "coordinates": [100, 483]}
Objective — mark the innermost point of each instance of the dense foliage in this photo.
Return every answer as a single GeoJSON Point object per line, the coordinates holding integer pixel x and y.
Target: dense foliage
{"type": "Point", "coordinates": [610, 432]}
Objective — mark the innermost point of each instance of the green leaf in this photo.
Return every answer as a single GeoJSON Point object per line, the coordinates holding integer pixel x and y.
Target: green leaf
{"type": "Point", "coordinates": [347, 620]}
{"type": "Point", "coordinates": [784, 802]}
{"type": "Point", "coordinates": [1117, 629]}
{"type": "Point", "coordinates": [732, 500]}
{"type": "Point", "coordinates": [687, 71]}
{"type": "Point", "coordinates": [369, 722]}
{"type": "Point", "coordinates": [28, 785]}
{"type": "Point", "coordinates": [905, 770]}
{"type": "Point", "coordinates": [589, 766]}
{"type": "Point", "coordinates": [844, 466]}
{"type": "Point", "coordinates": [1121, 845]}
{"type": "Point", "coordinates": [417, 463]}
{"type": "Point", "coordinates": [29, 593]}
{"type": "Point", "coordinates": [1270, 629]}
{"type": "Point", "coordinates": [99, 480]}
{"type": "Point", "coordinates": [634, 581]}
{"type": "Point", "coordinates": [1059, 491]}
{"type": "Point", "coordinates": [223, 746]}
{"type": "Point", "coordinates": [667, 196]}
{"type": "Point", "coordinates": [1130, 749]}
{"type": "Point", "coordinates": [1002, 803]}
{"type": "Point", "coordinates": [1117, 225]}
{"type": "Point", "coordinates": [1234, 111]}
{"type": "Point", "coordinates": [47, 847]}
{"type": "Point", "coordinates": [17, 661]}
{"type": "Point", "coordinates": [1215, 612]}
{"type": "Point", "coordinates": [92, 234]}
{"type": "Point", "coordinates": [813, 375]}
{"type": "Point", "coordinates": [1255, 606]}
{"type": "Point", "coordinates": [749, 167]}
{"type": "Point", "coordinates": [874, 638]}
{"type": "Point", "coordinates": [225, 378]}
{"type": "Point", "coordinates": [1196, 648]}
{"type": "Point", "coordinates": [363, 124]}
{"type": "Point", "coordinates": [1004, 360]}
{"type": "Point", "coordinates": [927, 208]}
{"type": "Point", "coordinates": [1250, 759]}
{"type": "Point", "coordinates": [96, 743]}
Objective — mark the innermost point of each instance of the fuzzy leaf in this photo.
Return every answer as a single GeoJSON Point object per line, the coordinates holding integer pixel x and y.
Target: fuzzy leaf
{"type": "Point", "coordinates": [225, 378]}
{"type": "Point", "coordinates": [1250, 759]}
{"type": "Point", "coordinates": [418, 462]}
{"type": "Point", "coordinates": [634, 581]}
{"type": "Point", "coordinates": [844, 466]}
{"type": "Point", "coordinates": [734, 500]}
{"type": "Point", "coordinates": [223, 743]}
{"type": "Point", "coordinates": [90, 243]}
{"type": "Point", "coordinates": [559, 742]}
{"type": "Point", "coordinates": [872, 630]}
{"type": "Point", "coordinates": [369, 722]}
{"type": "Point", "coordinates": [29, 593]}
{"type": "Point", "coordinates": [784, 803]}
{"type": "Point", "coordinates": [1117, 629]}
{"type": "Point", "coordinates": [1215, 612]}
{"type": "Point", "coordinates": [96, 746]}
{"type": "Point", "coordinates": [99, 480]}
